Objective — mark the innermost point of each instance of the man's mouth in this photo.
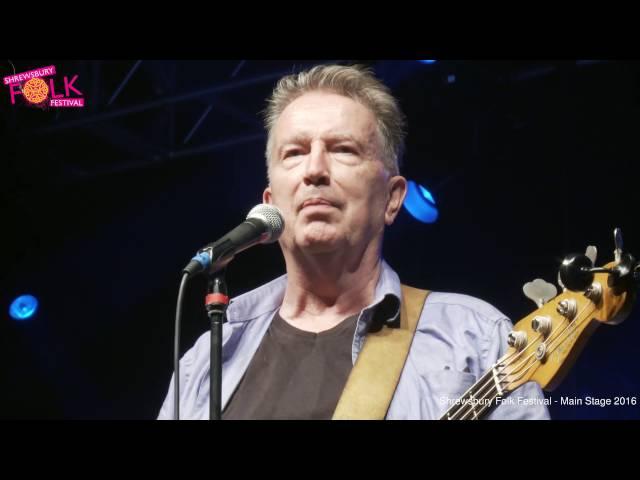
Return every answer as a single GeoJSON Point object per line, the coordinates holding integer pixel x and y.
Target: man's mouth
{"type": "Point", "coordinates": [312, 202]}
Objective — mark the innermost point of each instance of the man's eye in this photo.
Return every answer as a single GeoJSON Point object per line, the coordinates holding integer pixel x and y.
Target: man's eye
{"type": "Point", "coordinates": [292, 153]}
{"type": "Point", "coordinates": [345, 149]}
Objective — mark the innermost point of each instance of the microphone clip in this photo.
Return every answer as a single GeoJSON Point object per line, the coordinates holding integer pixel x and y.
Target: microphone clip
{"type": "Point", "coordinates": [217, 298]}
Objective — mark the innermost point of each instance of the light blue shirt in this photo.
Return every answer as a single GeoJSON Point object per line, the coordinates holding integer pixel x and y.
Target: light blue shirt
{"type": "Point", "coordinates": [458, 338]}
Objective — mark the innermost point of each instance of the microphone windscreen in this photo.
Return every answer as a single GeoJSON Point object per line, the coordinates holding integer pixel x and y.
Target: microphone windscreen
{"type": "Point", "coordinates": [272, 217]}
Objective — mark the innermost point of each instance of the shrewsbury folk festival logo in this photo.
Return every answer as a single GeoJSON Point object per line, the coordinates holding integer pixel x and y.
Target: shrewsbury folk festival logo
{"type": "Point", "coordinates": [39, 88]}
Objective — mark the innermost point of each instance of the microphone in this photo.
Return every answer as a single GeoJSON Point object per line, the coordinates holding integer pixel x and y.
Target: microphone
{"type": "Point", "coordinates": [264, 224]}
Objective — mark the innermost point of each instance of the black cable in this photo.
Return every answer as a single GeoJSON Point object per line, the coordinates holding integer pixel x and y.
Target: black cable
{"type": "Point", "coordinates": [176, 348]}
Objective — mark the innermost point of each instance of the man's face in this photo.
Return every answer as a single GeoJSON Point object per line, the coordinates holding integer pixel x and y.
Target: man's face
{"type": "Point", "coordinates": [327, 175]}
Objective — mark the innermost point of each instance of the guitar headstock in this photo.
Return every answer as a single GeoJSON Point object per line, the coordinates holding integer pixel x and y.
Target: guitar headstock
{"type": "Point", "coordinates": [544, 345]}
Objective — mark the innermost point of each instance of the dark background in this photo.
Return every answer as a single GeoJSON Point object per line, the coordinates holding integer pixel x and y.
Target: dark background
{"type": "Point", "coordinates": [102, 206]}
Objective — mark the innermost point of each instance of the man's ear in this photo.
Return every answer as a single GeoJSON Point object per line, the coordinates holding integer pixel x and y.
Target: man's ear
{"type": "Point", "coordinates": [266, 195]}
{"type": "Point", "coordinates": [397, 192]}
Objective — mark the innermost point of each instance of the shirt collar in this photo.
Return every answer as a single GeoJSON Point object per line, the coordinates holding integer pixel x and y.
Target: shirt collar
{"type": "Point", "coordinates": [268, 297]}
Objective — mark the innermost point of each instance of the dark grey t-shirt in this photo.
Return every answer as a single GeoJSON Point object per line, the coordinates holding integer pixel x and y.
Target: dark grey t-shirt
{"type": "Point", "coordinates": [295, 374]}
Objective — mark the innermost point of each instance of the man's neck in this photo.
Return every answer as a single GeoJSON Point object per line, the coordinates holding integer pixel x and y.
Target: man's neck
{"type": "Point", "coordinates": [323, 290]}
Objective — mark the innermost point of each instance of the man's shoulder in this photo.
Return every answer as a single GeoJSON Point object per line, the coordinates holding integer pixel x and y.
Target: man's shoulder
{"type": "Point", "coordinates": [258, 301]}
{"type": "Point", "coordinates": [458, 326]}
{"type": "Point", "coordinates": [459, 306]}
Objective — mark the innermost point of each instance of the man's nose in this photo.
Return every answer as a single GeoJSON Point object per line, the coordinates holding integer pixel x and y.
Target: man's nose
{"type": "Point", "coordinates": [318, 166]}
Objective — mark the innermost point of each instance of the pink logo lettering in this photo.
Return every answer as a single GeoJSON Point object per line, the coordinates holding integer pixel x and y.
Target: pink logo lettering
{"type": "Point", "coordinates": [69, 85]}
{"type": "Point", "coordinates": [14, 92]}
{"type": "Point", "coordinates": [53, 90]}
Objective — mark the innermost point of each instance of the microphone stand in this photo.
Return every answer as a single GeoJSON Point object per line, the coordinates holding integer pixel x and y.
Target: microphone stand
{"type": "Point", "coordinates": [216, 303]}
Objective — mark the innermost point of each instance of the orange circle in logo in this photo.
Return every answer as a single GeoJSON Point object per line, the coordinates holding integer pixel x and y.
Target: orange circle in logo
{"type": "Point", "coordinates": [35, 90]}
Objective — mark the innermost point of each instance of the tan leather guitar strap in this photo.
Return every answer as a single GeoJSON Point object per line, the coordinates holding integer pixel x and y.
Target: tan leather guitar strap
{"type": "Point", "coordinates": [375, 375]}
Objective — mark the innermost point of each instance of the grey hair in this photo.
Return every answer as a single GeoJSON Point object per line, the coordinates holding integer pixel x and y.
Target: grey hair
{"type": "Point", "coordinates": [356, 82]}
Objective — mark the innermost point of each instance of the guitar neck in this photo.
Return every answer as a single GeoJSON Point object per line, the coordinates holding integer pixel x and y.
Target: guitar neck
{"type": "Point", "coordinates": [479, 400]}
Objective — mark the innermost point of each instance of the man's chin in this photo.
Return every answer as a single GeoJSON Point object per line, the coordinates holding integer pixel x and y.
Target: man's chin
{"type": "Point", "coordinates": [318, 246]}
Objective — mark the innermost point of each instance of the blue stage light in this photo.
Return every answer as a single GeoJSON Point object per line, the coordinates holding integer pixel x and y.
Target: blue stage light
{"type": "Point", "coordinates": [420, 203]}
{"type": "Point", "coordinates": [23, 307]}
{"type": "Point", "coordinates": [428, 61]}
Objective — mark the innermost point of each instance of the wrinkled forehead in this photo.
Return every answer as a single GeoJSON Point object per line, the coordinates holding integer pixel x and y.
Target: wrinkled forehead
{"type": "Point", "coordinates": [324, 115]}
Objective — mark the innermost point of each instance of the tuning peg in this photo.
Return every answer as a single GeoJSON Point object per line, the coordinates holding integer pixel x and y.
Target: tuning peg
{"type": "Point", "coordinates": [576, 272]}
{"type": "Point", "coordinates": [617, 240]}
{"type": "Point", "coordinates": [564, 289]}
{"type": "Point", "coordinates": [539, 291]}
{"type": "Point", "coordinates": [627, 269]}
{"type": "Point", "coordinates": [592, 254]}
